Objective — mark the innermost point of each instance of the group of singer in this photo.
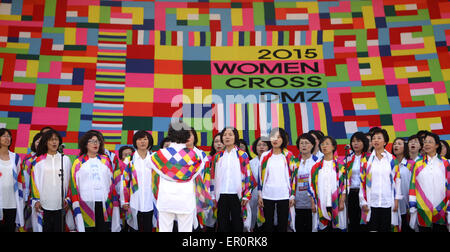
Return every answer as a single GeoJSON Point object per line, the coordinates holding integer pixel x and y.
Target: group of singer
{"type": "Point", "coordinates": [178, 187]}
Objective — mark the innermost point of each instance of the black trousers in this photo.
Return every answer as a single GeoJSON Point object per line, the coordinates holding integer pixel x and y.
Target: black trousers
{"type": "Point", "coordinates": [52, 221]}
{"type": "Point", "coordinates": [405, 224]}
{"type": "Point", "coordinates": [303, 220]}
{"type": "Point", "coordinates": [282, 214]}
{"type": "Point", "coordinates": [100, 224]}
{"type": "Point", "coordinates": [434, 228]}
{"type": "Point", "coordinates": [9, 220]}
{"type": "Point", "coordinates": [354, 211]}
{"type": "Point", "coordinates": [229, 216]}
{"type": "Point", "coordinates": [380, 219]}
{"type": "Point", "coordinates": [145, 221]}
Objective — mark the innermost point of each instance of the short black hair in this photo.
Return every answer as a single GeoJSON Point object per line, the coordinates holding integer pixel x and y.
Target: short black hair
{"type": "Point", "coordinates": [165, 140]}
{"type": "Point", "coordinates": [83, 142]}
{"type": "Point", "coordinates": [141, 134]}
{"type": "Point", "coordinates": [371, 130]}
{"type": "Point", "coordinates": [283, 136]}
{"type": "Point", "coordinates": [42, 147]}
{"type": "Point", "coordinates": [319, 134]}
{"type": "Point", "coordinates": [447, 155]}
{"type": "Point", "coordinates": [436, 138]}
{"type": "Point", "coordinates": [255, 144]}
{"type": "Point", "coordinates": [333, 142]}
{"type": "Point", "coordinates": [405, 147]}
{"type": "Point", "coordinates": [179, 132]}
{"type": "Point", "coordinates": [3, 131]}
{"type": "Point", "coordinates": [45, 129]}
{"type": "Point", "coordinates": [308, 137]}
{"type": "Point", "coordinates": [35, 138]}
{"type": "Point", "coordinates": [361, 137]}
{"type": "Point", "coordinates": [235, 132]}
{"type": "Point", "coordinates": [382, 132]}
{"type": "Point", "coordinates": [123, 148]}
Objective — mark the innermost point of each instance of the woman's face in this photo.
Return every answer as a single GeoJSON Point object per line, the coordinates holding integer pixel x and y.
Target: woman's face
{"type": "Point", "coordinates": [261, 147]}
{"type": "Point", "coordinates": [378, 141]}
{"type": "Point", "coordinates": [443, 150]}
{"type": "Point", "coordinates": [53, 144]}
{"type": "Point", "coordinates": [327, 147]}
{"type": "Point", "coordinates": [36, 143]}
{"type": "Point", "coordinates": [5, 140]}
{"type": "Point", "coordinates": [93, 145]}
{"type": "Point", "coordinates": [357, 145]}
{"type": "Point", "coordinates": [430, 146]}
{"type": "Point", "coordinates": [276, 140]}
{"type": "Point", "coordinates": [228, 138]}
{"type": "Point", "coordinates": [414, 145]}
{"type": "Point", "coordinates": [190, 141]}
{"type": "Point", "coordinates": [218, 145]}
{"type": "Point", "coordinates": [305, 146]}
{"type": "Point", "coordinates": [142, 143]}
{"type": "Point", "coordinates": [126, 153]}
{"type": "Point", "coordinates": [398, 148]}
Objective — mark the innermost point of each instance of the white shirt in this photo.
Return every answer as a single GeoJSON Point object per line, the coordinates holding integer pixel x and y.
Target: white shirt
{"type": "Point", "coordinates": [356, 183]}
{"type": "Point", "coordinates": [228, 174]}
{"type": "Point", "coordinates": [174, 197]}
{"type": "Point", "coordinates": [7, 195]}
{"type": "Point", "coordinates": [381, 192]}
{"type": "Point", "coordinates": [142, 200]}
{"type": "Point", "coordinates": [432, 180]}
{"type": "Point", "coordinates": [94, 180]}
{"type": "Point", "coordinates": [276, 186]}
{"type": "Point", "coordinates": [326, 182]}
{"type": "Point", "coordinates": [50, 191]}
{"type": "Point", "coordinates": [405, 174]}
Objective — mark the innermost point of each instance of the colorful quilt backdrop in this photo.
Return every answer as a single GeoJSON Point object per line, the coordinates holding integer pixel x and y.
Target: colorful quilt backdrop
{"type": "Point", "coordinates": [121, 66]}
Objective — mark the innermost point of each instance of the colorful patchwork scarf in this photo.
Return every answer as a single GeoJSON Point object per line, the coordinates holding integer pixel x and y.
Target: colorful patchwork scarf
{"type": "Point", "coordinates": [349, 168]}
{"type": "Point", "coordinates": [427, 213]}
{"type": "Point", "coordinates": [248, 181]}
{"type": "Point", "coordinates": [181, 166]}
{"type": "Point", "coordinates": [366, 178]}
{"type": "Point", "coordinates": [339, 169]}
{"type": "Point", "coordinates": [79, 206]}
{"type": "Point", "coordinates": [293, 165]}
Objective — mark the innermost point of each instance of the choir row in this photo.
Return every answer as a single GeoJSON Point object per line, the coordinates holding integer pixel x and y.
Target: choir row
{"type": "Point", "coordinates": [370, 189]}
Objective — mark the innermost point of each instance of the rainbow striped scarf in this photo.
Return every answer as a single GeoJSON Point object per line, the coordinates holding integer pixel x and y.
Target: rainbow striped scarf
{"type": "Point", "coordinates": [292, 167]}
{"type": "Point", "coordinates": [79, 206]}
{"type": "Point", "coordinates": [427, 213]}
{"type": "Point", "coordinates": [349, 168]}
{"type": "Point", "coordinates": [366, 178]}
{"type": "Point", "coordinates": [340, 172]}
{"type": "Point", "coordinates": [181, 166]}
{"type": "Point", "coordinates": [248, 181]}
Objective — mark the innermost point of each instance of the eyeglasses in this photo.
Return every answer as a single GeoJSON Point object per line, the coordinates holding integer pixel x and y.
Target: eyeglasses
{"type": "Point", "coordinates": [93, 141]}
{"type": "Point", "coordinates": [428, 142]}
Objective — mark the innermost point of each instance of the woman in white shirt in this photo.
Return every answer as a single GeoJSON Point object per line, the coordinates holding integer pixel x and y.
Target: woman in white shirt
{"type": "Point", "coordinates": [276, 183]}
{"type": "Point", "coordinates": [303, 213]}
{"type": "Point", "coordinates": [380, 186]}
{"type": "Point", "coordinates": [359, 146]}
{"type": "Point", "coordinates": [259, 146]}
{"type": "Point", "coordinates": [429, 189]}
{"type": "Point", "coordinates": [232, 183]}
{"type": "Point", "coordinates": [328, 189]}
{"type": "Point", "coordinates": [400, 151]}
{"type": "Point", "coordinates": [139, 202]}
{"type": "Point", "coordinates": [92, 187]}
{"type": "Point", "coordinates": [11, 205]}
{"type": "Point", "coordinates": [47, 200]}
